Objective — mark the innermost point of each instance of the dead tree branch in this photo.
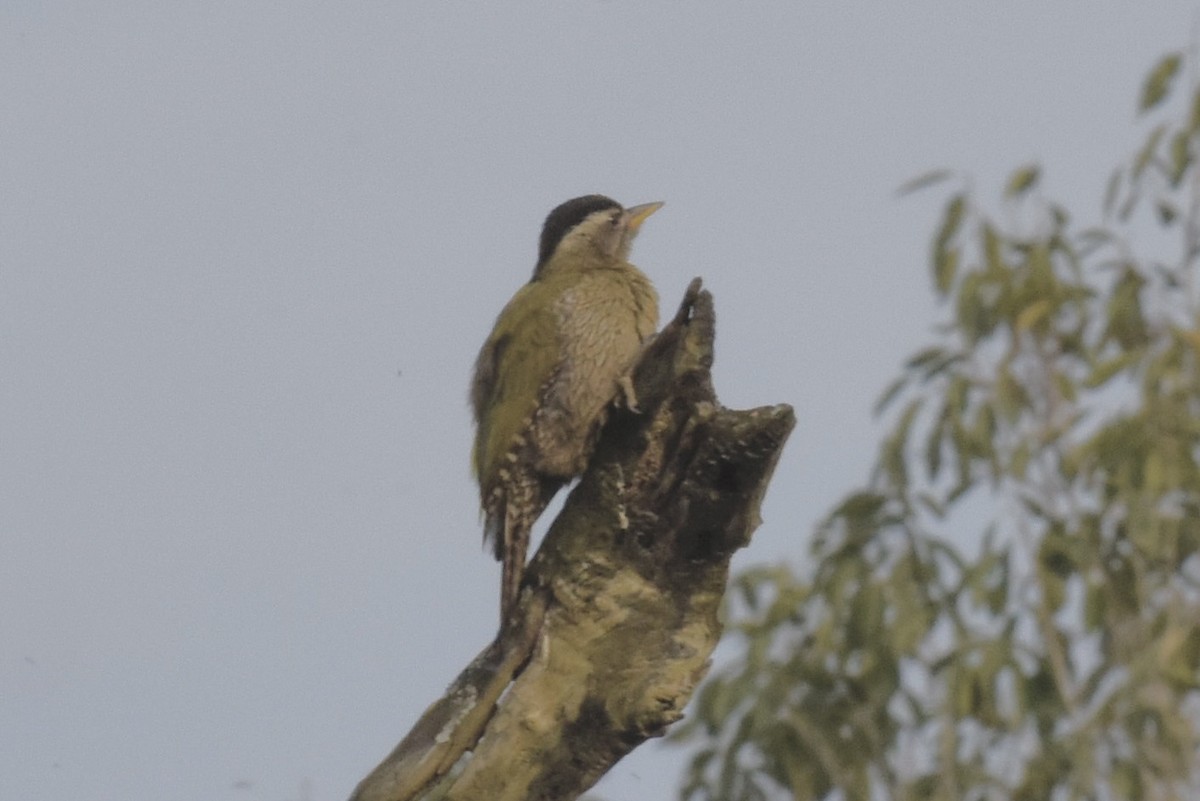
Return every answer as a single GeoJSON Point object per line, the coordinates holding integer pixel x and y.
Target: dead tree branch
{"type": "Point", "coordinates": [618, 614]}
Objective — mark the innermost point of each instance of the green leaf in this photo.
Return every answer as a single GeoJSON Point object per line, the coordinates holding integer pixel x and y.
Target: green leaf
{"type": "Point", "coordinates": [1126, 323]}
{"type": "Point", "coordinates": [1188, 336]}
{"type": "Point", "coordinates": [1126, 209]}
{"type": "Point", "coordinates": [861, 508]}
{"type": "Point", "coordinates": [1032, 314]}
{"type": "Point", "coordinates": [1054, 591]}
{"type": "Point", "coordinates": [866, 617]}
{"type": "Point", "coordinates": [1125, 780]}
{"type": "Point", "coordinates": [1105, 370]}
{"type": "Point", "coordinates": [1095, 607]}
{"type": "Point", "coordinates": [889, 395]}
{"type": "Point", "coordinates": [924, 357]}
{"type": "Point", "coordinates": [1019, 461]}
{"type": "Point", "coordinates": [1146, 153]}
{"type": "Point", "coordinates": [1158, 82]}
{"type": "Point", "coordinates": [993, 250]}
{"type": "Point", "coordinates": [1194, 117]}
{"type": "Point", "coordinates": [1090, 240]}
{"type": "Point", "coordinates": [952, 218]}
{"type": "Point", "coordinates": [957, 393]}
{"type": "Point", "coordinates": [922, 787]}
{"type": "Point", "coordinates": [1180, 157]}
{"type": "Point", "coordinates": [945, 267]}
{"type": "Point", "coordinates": [893, 458]}
{"type": "Point", "coordinates": [964, 693]}
{"type": "Point", "coordinates": [983, 437]}
{"type": "Point", "coordinates": [1066, 387]}
{"type": "Point", "coordinates": [1054, 556]}
{"type": "Point", "coordinates": [945, 256]}
{"type": "Point", "coordinates": [923, 181]}
{"type": "Point", "coordinates": [1011, 397]}
{"type": "Point", "coordinates": [1061, 217]}
{"type": "Point", "coordinates": [1022, 181]}
{"type": "Point", "coordinates": [1156, 477]}
{"type": "Point", "coordinates": [934, 444]}
{"type": "Point", "coordinates": [971, 313]}
{"type": "Point", "coordinates": [997, 597]}
{"type": "Point", "coordinates": [1166, 212]}
{"type": "Point", "coordinates": [1176, 655]}
{"type": "Point", "coordinates": [1041, 270]}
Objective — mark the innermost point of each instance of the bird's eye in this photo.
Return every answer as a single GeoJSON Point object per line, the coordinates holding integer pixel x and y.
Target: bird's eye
{"type": "Point", "coordinates": [614, 220]}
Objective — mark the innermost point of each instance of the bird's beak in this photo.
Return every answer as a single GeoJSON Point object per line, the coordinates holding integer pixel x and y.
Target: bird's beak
{"type": "Point", "coordinates": [636, 215]}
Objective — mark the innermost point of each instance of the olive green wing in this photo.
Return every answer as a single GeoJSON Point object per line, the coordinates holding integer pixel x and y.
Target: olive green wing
{"type": "Point", "coordinates": [514, 368]}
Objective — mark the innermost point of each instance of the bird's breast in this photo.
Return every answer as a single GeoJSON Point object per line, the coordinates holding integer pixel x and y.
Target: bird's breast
{"type": "Point", "coordinates": [602, 322]}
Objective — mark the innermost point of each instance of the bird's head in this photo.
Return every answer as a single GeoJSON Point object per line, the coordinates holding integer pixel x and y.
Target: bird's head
{"type": "Point", "coordinates": [590, 230]}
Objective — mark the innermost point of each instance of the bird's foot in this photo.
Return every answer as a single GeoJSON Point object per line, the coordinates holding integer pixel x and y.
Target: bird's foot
{"type": "Point", "coordinates": [628, 396]}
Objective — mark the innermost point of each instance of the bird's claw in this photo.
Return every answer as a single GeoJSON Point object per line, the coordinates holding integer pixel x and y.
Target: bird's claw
{"type": "Point", "coordinates": [628, 396]}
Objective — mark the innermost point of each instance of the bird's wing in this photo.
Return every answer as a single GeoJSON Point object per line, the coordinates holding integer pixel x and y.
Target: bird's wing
{"type": "Point", "coordinates": [514, 367]}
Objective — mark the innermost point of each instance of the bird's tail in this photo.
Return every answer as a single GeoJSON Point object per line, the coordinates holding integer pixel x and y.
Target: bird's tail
{"type": "Point", "coordinates": [511, 548]}
{"type": "Point", "coordinates": [508, 527]}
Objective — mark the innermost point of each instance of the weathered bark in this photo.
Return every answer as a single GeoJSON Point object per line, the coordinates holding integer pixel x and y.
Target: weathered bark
{"type": "Point", "coordinates": [618, 614]}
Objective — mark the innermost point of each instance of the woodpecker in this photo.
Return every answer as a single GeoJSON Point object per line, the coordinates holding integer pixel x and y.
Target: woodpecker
{"type": "Point", "coordinates": [559, 355]}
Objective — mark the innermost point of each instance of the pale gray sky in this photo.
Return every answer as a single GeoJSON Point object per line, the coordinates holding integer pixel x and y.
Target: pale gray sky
{"type": "Point", "coordinates": [248, 252]}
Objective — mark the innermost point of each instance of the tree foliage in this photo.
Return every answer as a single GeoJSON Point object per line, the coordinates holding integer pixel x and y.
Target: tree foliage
{"type": "Point", "coordinates": [1010, 607]}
